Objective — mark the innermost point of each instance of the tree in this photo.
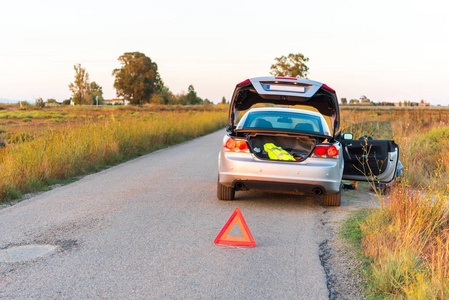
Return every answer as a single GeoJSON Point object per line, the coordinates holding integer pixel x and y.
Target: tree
{"type": "Point", "coordinates": [40, 103]}
{"type": "Point", "coordinates": [364, 99]}
{"type": "Point", "coordinates": [344, 101]}
{"type": "Point", "coordinates": [85, 92]}
{"type": "Point", "coordinates": [191, 97]}
{"type": "Point", "coordinates": [137, 79]}
{"type": "Point", "coordinates": [95, 91]}
{"type": "Point", "coordinates": [80, 88]}
{"type": "Point", "coordinates": [167, 95]}
{"type": "Point", "coordinates": [156, 99]}
{"type": "Point", "coordinates": [52, 101]}
{"type": "Point", "coordinates": [223, 100]}
{"type": "Point", "coordinates": [292, 66]}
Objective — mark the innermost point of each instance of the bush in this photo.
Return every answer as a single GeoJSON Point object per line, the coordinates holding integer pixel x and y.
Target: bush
{"type": "Point", "coordinates": [23, 105]}
{"type": "Point", "coordinates": [40, 103]}
{"type": "Point", "coordinates": [52, 101]}
{"type": "Point", "coordinates": [426, 154]}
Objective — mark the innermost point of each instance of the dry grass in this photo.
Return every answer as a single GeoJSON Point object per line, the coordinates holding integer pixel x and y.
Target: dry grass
{"type": "Point", "coordinates": [408, 237]}
{"type": "Point", "coordinates": [78, 147]}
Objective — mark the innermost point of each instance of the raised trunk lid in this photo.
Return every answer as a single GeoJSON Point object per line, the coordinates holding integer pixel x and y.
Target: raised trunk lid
{"type": "Point", "coordinates": [285, 91]}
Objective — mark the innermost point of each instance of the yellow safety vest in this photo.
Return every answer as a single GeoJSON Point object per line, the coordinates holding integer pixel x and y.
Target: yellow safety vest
{"type": "Point", "coordinates": [277, 153]}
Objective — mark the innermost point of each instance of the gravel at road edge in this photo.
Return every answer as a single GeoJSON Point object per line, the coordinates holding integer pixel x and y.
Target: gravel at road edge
{"type": "Point", "coordinates": [344, 281]}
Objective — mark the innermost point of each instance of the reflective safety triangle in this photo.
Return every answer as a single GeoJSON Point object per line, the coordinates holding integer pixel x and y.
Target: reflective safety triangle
{"type": "Point", "coordinates": [246, 240]}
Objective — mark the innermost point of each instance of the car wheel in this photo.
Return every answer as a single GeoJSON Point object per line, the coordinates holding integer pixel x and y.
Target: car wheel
{"type": "Point", "coordinates": [332, 199]}
{"type": "Point", "coordinates": [225, 192]}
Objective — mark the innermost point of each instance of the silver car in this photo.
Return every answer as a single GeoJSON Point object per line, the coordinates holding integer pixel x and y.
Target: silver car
{"type": "Point", "coordinates": [293, 144]}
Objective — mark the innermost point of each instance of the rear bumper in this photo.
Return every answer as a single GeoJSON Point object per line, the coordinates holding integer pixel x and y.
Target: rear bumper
{"type": "Point", "coordinates": [243, 171]}
{"type": "Point", "coordinates": [283, 187]}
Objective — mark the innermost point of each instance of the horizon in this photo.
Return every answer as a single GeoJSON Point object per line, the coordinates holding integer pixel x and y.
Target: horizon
{"type": "Point", "coordinates": [8, 101]}
{"type": "Point", "coordinates": [387, 51]}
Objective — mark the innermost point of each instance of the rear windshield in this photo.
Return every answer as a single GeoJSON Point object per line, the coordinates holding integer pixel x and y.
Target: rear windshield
{"type": "Point", "coordinates": [283, 121]}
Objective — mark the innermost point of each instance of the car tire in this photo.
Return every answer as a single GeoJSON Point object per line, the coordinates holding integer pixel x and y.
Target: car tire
{"type": "Point", "coordinates": [332, 199]}
{"type": "Point", "coordinates": [225, 192]}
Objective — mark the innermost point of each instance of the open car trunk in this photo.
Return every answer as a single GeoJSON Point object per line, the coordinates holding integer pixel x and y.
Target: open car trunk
{"type": "Point", "coordinates": [297, 147]}
{"type": "Point", "coordinates": [285, 91]}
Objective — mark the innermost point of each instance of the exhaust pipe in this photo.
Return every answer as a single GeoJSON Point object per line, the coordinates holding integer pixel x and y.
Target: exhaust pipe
{"type": "Point", "coordinates": [317, 191]}
{"type": "Point", "coordinates": [239, 186]}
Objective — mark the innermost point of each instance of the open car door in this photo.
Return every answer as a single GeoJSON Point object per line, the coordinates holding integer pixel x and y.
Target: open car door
{"type": "Point", "coordinates": [369, 152]}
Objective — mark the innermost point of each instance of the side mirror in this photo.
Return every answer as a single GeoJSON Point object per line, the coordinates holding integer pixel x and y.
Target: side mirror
{"type": "Point", "coordinates": [347, 136]}
{"type": "Point", "coordinates": [230, 128]}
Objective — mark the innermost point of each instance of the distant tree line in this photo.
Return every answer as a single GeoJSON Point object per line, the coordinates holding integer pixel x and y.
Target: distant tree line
{"type": "Point", "coordinates": [137, 81]}
{"type": "Point", "coordinates": [365, 101]}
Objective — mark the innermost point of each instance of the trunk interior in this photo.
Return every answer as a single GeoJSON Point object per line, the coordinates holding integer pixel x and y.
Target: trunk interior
{"type": "Point", "coordinates": [297, 146]}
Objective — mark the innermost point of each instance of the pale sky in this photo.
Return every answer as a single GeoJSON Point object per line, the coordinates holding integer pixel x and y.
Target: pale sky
{"type": "Point", "coordinates": [387, 50]}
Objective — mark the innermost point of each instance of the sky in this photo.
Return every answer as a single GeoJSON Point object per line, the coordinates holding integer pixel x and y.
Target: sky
{"type": "Point", "coordinates": [386, 50]}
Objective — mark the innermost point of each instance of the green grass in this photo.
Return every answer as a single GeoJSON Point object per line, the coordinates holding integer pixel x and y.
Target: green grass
{"type": "Point", "coordinates": [52, 182]}
{"type": "Point", "coordinates": [351, 230]}
{"type": "Point", "coordinates": [38, 114]}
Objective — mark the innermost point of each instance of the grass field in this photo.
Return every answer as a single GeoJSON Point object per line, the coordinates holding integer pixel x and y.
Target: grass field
{"type": "Point", "coordinates": [405, 243]}
{"type": "Point", "coordinates": [42, 147]}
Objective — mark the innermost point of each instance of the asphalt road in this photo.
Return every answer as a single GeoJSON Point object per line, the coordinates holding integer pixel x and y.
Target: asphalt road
{"type": "Point", "coordinates": [145, 230]}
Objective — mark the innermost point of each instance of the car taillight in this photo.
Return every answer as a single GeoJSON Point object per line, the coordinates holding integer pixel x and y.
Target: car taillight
{"type": "Point", "coordinates": [236, 145]}
{"type": "Point", "coordinates": [330, 151]}
{"type": "Point", "coordinates": [244, 82]}
{"type": "Point", "coordinates": [326, 87]}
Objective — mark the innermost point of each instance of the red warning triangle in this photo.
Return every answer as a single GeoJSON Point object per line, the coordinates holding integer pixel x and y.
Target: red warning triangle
{"type": "Point", "coordinates": [246, 240]}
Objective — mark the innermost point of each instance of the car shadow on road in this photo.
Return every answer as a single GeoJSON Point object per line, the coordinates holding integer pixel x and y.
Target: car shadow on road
{"type": "Point", "coordinates": [280, 200]}
{"type": "Point", "coordinates": [350, 199]}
